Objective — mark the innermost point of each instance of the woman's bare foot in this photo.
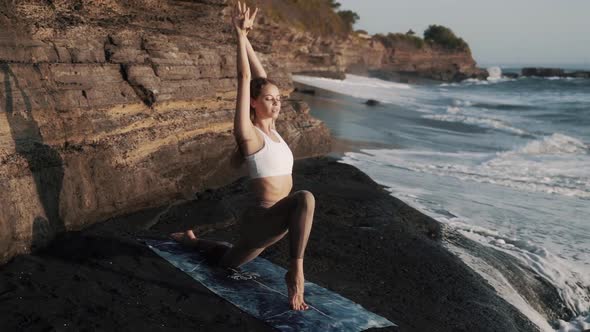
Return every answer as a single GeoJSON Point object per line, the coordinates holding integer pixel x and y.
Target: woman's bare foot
{"type": "Point", "coordinates": [186, 238]}
{"type": "Point", "coordinates": [295, 285]}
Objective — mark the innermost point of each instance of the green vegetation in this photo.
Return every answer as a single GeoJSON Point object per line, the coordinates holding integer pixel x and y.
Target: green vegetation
{"type": "Point", "coordinates": [321, 17]}
{"type": "Point", "coordinates": [393, 39]}
{"type": "Point", "coordinates": [334, 4]}
{"type": "Point", "coordinates": [435, 35]}
{"type": "Point", "coordinates": [443, 36]}
{"type": "Point", "coordinates": [349, 18]}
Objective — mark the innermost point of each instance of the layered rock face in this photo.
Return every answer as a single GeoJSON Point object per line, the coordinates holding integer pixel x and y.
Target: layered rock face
{"type": "Point", "coordinates": [108, 107]}
{"type": "Point", "coordinates": [432, 62]}
{"type": "Point", "coordinates": [302, 52]}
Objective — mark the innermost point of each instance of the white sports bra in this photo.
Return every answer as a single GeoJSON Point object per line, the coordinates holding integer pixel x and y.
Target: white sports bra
{"type": "Point", "coordinates": [273, 159]}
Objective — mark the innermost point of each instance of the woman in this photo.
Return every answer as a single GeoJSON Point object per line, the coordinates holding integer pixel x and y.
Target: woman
{"type": "Point", "coordinates": [270, 163]}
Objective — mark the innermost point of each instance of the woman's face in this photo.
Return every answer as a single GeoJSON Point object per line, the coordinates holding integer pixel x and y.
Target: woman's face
{"type": "Point", "coordinates": [268, 104]}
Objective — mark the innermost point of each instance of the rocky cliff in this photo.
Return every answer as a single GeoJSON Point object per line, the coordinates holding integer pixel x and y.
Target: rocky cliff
{"type": "Point", "coordinates": [108, 107]}
{"type": "Point", "coordinates": [111, 106]}
{"type": "Point", "coordinates": [332, 56]}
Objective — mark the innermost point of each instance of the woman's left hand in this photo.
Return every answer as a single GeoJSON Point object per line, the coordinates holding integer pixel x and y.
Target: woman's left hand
{"type": "Point", "coordinates": [242, 20]}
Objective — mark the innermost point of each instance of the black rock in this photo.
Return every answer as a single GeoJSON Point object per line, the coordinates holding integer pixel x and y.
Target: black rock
{"type": "Point", "coordinates": [306, 91]}
{"type": "Point", "coordinates": [579, 74]}
{"type": "Point", "coordinates": [542, 72]}
{"type": "Point", "coordinates": [510, 75]}
{"type": "Point", "coordinates": [372, 102]}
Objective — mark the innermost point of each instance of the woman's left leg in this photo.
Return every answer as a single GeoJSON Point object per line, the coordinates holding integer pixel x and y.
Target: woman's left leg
{"type": "Point", "coordinates": [212, 250]}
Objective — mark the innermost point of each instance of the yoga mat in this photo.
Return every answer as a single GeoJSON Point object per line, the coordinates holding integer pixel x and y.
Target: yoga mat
{"type": "Point", "coordinates": [258, 288]}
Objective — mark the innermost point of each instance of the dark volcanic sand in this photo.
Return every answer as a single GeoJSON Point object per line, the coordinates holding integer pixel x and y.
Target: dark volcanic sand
{"type": "Point", "coordinates": [366, 245]}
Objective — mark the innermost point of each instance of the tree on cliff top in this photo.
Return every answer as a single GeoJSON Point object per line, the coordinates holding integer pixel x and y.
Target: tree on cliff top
{"type": "Point", "coordinates": [349, 18]}
{"type": "Point", "coordinates": [334, 4]}
{"type": "Point", "coordinates": [445, 37]}
{"type": "Point", "coordinates": [400, 40]}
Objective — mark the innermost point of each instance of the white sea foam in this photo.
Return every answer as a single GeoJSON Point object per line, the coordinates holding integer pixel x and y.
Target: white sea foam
{"type": "Point", "coordinates": [555, 144]}
{"type": "Point", "coordinates": [570, 283]}
{"type": "Point", "coordinates": [502, 286]}
{"type": "Point", "coordinates": [525, 168]}
{"type": "Point", "coordinates": [494, 73]}
{"type": "Point", "coordinates": [453, 110]}
{"type": "Point", "coordinates": [578, 324]}
{"type": "Point", "coordinates": [481, 121]}
{"type": "Point", "coordinates": [493, 78]}
{"type": "Point", "coordinates": [371, 88]}
{"type": "Point", "coordinates": [459, 102]}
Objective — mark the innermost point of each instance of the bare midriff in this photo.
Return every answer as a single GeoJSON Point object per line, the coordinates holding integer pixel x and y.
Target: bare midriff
{"type": "Point", "coordinates": [271, 188]}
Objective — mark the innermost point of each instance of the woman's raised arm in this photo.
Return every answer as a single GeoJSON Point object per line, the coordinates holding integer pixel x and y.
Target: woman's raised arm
{"type": "Point", "coordinates": [243, 127]}
{"type": "Point", "coordinates": [256, 66]}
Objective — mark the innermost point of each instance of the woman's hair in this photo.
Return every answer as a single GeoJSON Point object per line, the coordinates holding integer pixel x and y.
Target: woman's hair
{"type": "Point", "coordinates": [256, 86]}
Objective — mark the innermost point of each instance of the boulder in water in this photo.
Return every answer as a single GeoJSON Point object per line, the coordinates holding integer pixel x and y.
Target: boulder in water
{"type": "Point", "coordinates": [579, 74]}
{"type": "Point", "coordinates": [305, 91]}
{"type": "Point", "coordinates": [372, 102]}
{"type": "Point", "coordinates": [542, 72]}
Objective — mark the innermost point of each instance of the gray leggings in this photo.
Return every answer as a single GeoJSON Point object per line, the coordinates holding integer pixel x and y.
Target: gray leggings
{"type": "Point", "coordinates": [264, 224]}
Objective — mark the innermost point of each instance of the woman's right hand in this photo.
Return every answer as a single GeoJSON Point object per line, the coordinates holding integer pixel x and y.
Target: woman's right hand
{"type": "Point", "coordinates": [242, 20]}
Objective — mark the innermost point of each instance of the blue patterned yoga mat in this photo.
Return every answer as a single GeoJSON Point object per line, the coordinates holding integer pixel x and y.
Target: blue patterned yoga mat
{"type": "Point", "coordinates": [259, 289]}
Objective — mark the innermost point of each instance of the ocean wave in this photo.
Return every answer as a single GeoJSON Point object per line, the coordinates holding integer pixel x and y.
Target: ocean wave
{"type": "Point", "coordinates": [555, 144]}
{"type": "Point", "coordinates": [480, 121]}
{"type": "Point", "coordinates": [367, 88]}
{"type": "Point", "coordinates": [557, 164]}
{"type": "Point", "coordinates": [578, 324]}
{"type": "Point", "coordinates": [571, 284]}
{"type": "Point", "coordinates": [460, 102]}
{"type": "Point", "coordinates": [495, 73]}
{"type": "Point", "coordinates": [475, 81]}
{"type": "Point", "coordinates": [351, 80]}
{"type": "Point", "coordinates": [553, 78]}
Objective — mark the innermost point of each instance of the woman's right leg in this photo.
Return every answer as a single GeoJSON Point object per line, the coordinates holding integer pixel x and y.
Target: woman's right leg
{"type": "Point", "coordinates": [294, 214]}
{"type": "Point", "coordinates": [265, 226]}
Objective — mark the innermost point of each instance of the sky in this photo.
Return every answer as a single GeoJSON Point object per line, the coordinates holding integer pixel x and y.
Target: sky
{"type": "Point", "coordinates": [499, 32]}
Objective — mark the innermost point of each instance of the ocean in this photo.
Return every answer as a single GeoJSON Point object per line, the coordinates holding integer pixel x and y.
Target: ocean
{"type": "Point", "coordinates": [505, 162]}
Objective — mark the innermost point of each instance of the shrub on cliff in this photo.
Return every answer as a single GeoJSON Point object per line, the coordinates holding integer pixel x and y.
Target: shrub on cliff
{"type": "Point", "coordinates": [316, 16]}
{"type": "Point", "coordinates": [445, 37]}
{"type": "Point", "coordinates": [349, 18]}
{"type": "Point", "coordinates": [399, 39]}
{"type": "Point", "coordinates": [334, 4]}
